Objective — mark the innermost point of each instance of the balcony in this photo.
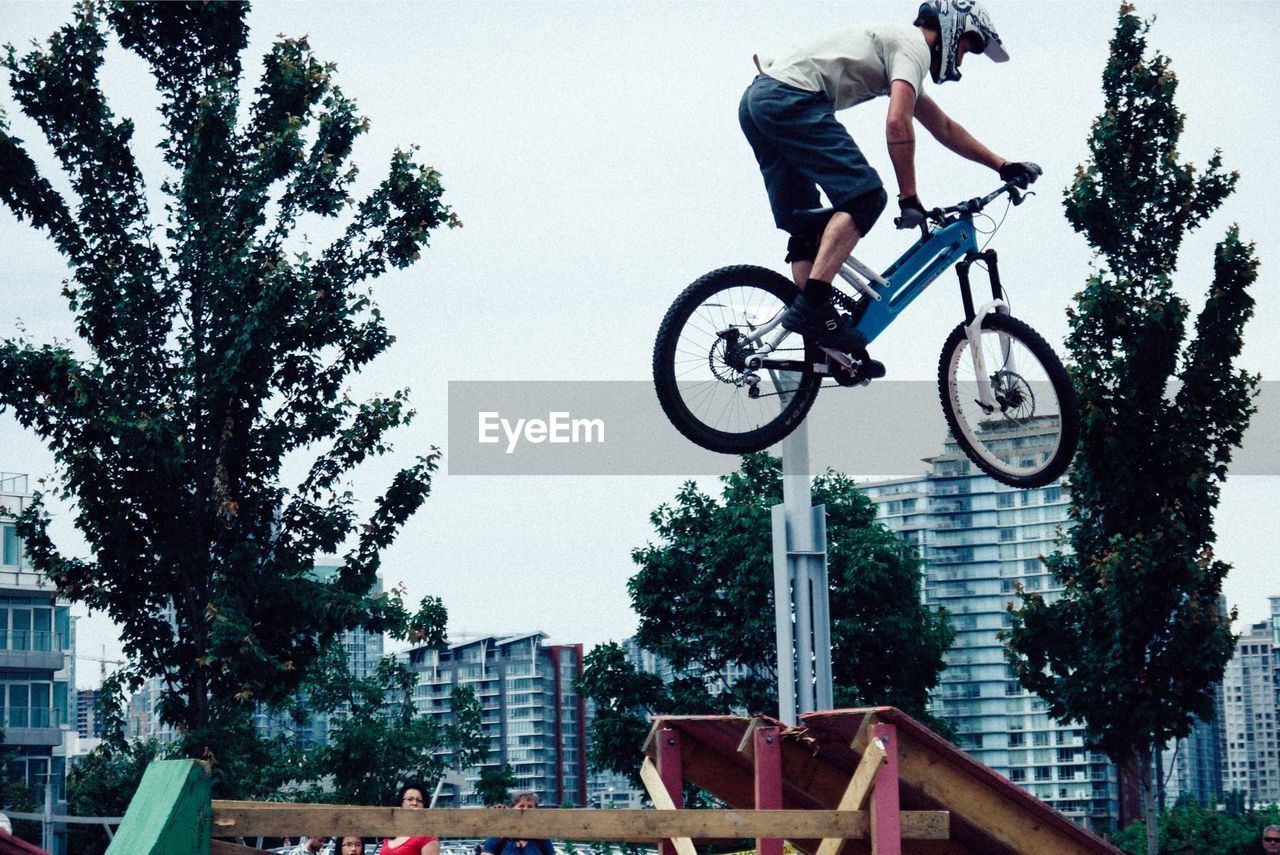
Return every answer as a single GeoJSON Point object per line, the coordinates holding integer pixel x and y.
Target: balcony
{"type": "Point", "coordinates": [32, 726]}
{"type": "Point", "coordinates": [38, 650]}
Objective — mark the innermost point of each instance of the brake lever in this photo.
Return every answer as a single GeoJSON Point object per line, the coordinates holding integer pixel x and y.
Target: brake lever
{"type": "Point", "coordinates": [1018, 198]}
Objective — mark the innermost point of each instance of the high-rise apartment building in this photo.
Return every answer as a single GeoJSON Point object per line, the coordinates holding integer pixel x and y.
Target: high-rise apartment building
{"type": "Point", "coordinates": [1192, 767]}
{"type": "Point", "coordinates": [1251, 700]}
{"type": "Point", "coordinates": [533, 716]}
{"type": "Point", "coordinates": [37, 656]}
{"type": "Point", "coordinates": [980, 541]}
{"type": "Point", "coordinates": [88, 721]}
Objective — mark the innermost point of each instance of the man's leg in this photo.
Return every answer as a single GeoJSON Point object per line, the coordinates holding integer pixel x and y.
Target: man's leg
{"type": "Point", "coordinates": [812, 313]}
{"type": "Point", "coordinates": [799, 145]}
{"type": "Point", "coordinates": [838, 240]}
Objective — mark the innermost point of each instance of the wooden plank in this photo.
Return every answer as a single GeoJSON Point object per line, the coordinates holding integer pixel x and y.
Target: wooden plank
{"type": "Point", "coordinates": [886, 805]}
{"type": "Point", "coordinates": [664, 801]}
{"type": "Point", "coordinates": [252, 819]}
{"type": "Point", "coordinates": [855, 795]}
{"type": "Point", "coordinates": [747, 744]}
{"type": "Point", "coordinates": [1002, 819]}
{"type": "Point", "coordinates": [862, 738]}
{"type": "Point", "coordinates": [766, 756]}
{"type": "Point", "coordinates": [169, 812]}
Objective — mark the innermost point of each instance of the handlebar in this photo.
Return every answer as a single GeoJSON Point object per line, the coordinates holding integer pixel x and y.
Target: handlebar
{"type": "Point", "coordinates": [1015, 188]}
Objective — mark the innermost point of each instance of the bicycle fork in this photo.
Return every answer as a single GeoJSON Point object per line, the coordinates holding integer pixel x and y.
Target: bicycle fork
{"type": "Point", "coordinates": [973, 326]}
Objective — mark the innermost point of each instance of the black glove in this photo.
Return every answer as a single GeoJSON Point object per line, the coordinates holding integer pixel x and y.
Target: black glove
{"type": "Point", "coordinates": [913, 213]}
{"type": "Point", "coordinates": [1020, 173]}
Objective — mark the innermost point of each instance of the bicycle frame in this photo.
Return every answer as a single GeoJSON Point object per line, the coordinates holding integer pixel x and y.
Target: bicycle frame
{"type": "Point", "coordinates": [886, 295]}
{"type": "Point", "coordinates": [922, 263]}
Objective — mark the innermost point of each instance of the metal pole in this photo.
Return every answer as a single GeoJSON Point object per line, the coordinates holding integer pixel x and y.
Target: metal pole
{"type": "Point", "coordinates": [797, 499]}
{"type": "Point", "coordinates": [821, 612]}
{"type": "Point", "coordinates": [46, 824]}
{"type": "Point", "coordinates": [782, 614]}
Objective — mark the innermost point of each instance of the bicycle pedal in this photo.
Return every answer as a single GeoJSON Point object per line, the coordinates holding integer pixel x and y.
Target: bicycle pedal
{"type": "Point", "coordinates": [841, 368]}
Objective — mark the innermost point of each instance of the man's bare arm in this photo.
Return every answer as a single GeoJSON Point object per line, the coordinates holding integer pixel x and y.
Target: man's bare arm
{"type": "Point", "coordinates": [900, 133]}
{"type": "Point", "coordinates": [951, 134]}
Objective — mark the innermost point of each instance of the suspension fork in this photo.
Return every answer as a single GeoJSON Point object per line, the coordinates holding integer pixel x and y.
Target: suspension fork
{"type": "Point", "coordinates": [973, 323]}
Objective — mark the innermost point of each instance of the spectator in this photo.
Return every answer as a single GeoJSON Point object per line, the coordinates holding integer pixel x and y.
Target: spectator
{"type": "Point", "coordinates": [412, 796]}
{"type": "Point", "coordinates": [350, 845]}
{"type": "Point", "coordinates": [512, 846]}
{"type": "Point", "coordinates": [310, 845]}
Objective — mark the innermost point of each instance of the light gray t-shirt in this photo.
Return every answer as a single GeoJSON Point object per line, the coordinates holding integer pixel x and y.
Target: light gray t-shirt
{"type": "Point", "coordinates": [854, 65]}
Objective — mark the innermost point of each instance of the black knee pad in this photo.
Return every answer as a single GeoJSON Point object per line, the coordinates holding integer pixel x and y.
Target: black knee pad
{"type": "Point", "coordinates": [803, 248]}
{"type": "Point", "coordinates": [866, 208]}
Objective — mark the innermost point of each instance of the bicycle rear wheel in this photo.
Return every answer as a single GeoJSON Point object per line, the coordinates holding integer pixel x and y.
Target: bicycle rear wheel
{"type": "Point", "coordinates": [1029, 437]}
{"type": "Point", "coordinates": [699, 368]}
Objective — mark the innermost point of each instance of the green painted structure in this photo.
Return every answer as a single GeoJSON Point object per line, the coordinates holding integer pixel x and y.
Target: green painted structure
{"type": "Point", "coordinates": [170, 814]}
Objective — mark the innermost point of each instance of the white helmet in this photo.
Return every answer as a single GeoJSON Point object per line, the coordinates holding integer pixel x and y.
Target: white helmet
{"type": "Point", "coordinates": [956, 19]}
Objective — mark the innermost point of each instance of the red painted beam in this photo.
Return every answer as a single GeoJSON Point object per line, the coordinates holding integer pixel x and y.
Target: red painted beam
{"type": "Point", "coordinates": [767, 751]}
{"type": "Point", "coordinates": [886, 805]}
{"type": "Point", "coordinates": [671, 770]}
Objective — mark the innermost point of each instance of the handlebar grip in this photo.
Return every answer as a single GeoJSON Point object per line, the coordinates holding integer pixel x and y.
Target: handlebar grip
{"type": "Point", "coordinates": [909, 219]}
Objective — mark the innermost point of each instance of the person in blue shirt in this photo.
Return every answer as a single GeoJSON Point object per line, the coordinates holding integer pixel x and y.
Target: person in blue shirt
{"type": "Point", "coordinates": [514, 846]}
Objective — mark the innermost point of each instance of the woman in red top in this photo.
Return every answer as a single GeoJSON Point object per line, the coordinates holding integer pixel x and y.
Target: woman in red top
{"type": "Point", "coordinates": [411, 796]}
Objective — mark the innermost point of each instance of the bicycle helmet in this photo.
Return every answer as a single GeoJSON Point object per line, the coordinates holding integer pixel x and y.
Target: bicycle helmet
{"type": "Point", "coordinates": [956, 19]}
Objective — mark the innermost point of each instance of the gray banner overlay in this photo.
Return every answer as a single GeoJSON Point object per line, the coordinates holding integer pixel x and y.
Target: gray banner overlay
{"type": "Point", "coordinates": [883, 430]}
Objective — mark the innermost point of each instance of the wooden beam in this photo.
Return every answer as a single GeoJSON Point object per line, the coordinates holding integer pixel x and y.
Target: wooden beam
{"type": "Point", "coordinates": [254, 819]}
{"type": "Point", "coordinates": [669, 777]}
{"type": "Point", "coordinates": [662, 800]}
{"type": "Point", "coordinates": [747, 744]}
{"type": "Point", "coordinates": [886, 804]}
{"type": "Point", "coordinates": [855, 795]}
{"type": "Point", "coordinates": [862, 738]}
{"type": "Point", "coordinates": [1003, 819]}
{"type": "Point", "coordinates": [766, 756]}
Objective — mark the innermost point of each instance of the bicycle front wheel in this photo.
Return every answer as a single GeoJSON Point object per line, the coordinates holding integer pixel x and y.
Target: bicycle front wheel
{"type": "Point", "coordinates": [700, 366]}
{"type": "Point", "coordinates": [1024, 434]}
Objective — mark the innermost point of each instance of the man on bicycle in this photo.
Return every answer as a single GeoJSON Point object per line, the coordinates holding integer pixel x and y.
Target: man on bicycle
{"type": "Point", "coordinates": [788, 116]}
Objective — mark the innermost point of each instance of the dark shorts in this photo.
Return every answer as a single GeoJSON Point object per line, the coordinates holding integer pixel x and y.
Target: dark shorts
{"type": "Point", "coordinates": [801, 146]}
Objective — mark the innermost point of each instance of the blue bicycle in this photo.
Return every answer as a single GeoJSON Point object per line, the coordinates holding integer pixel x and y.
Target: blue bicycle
{"type": "Point", "coordinates": [732, 380]}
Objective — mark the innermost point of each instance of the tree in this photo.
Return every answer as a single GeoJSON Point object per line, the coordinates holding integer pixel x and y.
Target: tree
{"type": "Point", "coordinates": [210, 352]}
{"type": "Point", "coordinates": [377, 741]}
{"type": "Point", "coordinates": [1189, 829]}
{"type": "Point", "coordinates": [1137, 637]}
{"type": "Point", "coordinates": [704, 593]}
{"type": "Point", "coordinates": [494, 786]}
{"type": "Point", "coordinates": [101, 784]}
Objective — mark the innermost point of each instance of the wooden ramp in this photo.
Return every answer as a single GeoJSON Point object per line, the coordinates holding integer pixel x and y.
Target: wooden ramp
{"type": "Point", "coordinates": [876, 758]}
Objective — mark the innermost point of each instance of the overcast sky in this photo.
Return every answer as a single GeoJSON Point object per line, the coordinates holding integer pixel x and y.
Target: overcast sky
{"type": "Point", "coordinates": [592, 152]}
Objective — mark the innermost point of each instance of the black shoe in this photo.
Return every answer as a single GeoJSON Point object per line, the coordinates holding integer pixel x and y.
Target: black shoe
{"type": "Point", "coordinates": [823, 326]}
{"type": "Point", "coordinates": [872, 369]}
{"type": "Point", "coordinates": [854, 368]}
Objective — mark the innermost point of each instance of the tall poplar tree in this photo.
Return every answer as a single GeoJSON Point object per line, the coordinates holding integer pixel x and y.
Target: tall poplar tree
{"type": "Point", "coordinates": [1136, 639]}
{"type": "Point", "coordinates": [211, 348]}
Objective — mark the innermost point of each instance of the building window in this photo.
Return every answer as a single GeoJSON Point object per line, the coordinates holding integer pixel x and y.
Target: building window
{"type": "Point", "coordinates": [10, 546]}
